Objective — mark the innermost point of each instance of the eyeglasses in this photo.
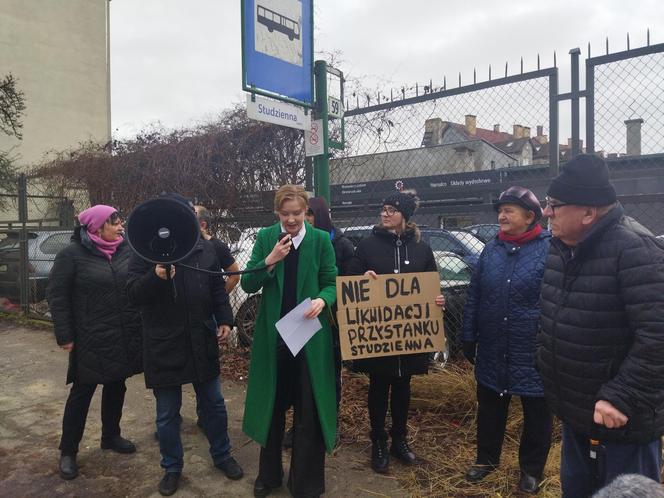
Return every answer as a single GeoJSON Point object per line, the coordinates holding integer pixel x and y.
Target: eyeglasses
{"type": "Point", "coordinates": [309, 212]}
{"type": "Point", "coordinates": [550, 204]}
{"type": "Point", "coordinates": [388, 211]}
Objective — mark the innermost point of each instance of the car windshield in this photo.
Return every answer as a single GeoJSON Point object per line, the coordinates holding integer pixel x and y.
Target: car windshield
{"type": "Point", "coordinates": [469, 240]}
{"type": "Point", "coordinates": [11, 242]}
{"type": "Point", "coordinates": [451, 267]}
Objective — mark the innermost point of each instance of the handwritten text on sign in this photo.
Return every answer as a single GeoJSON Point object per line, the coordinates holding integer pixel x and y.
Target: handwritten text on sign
{"type": "Point", "coordinates": [390, 315]}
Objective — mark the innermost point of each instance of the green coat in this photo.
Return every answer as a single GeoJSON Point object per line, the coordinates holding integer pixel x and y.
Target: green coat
{"type": "Point", "coordinates": [315, 278]}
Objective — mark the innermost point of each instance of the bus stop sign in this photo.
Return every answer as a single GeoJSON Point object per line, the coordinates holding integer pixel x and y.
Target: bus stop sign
{"type": "Point", "coordinates": [277, 49]}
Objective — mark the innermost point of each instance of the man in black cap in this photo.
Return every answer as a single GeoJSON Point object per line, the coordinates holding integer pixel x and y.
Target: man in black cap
{"type": "Point", "coordinates": [601, 344]}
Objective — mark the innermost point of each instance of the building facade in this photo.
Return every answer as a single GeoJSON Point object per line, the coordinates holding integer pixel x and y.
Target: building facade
{"type": "Point", "coordinates": [59, 53]}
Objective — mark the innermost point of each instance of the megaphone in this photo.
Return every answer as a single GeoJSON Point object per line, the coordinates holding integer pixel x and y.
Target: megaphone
{"type": "Point", "coordinates": [163, 230]}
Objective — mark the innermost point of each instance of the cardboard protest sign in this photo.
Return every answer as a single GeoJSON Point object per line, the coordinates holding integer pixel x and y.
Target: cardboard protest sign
{"type": "Point", "coordinates": [390, 315]}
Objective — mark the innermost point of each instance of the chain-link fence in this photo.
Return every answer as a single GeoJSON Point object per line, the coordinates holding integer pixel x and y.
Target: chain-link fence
{"type": "Point", "coordinates": [459, 148]}
{"type": "Point", "coordinates": [36, 224]}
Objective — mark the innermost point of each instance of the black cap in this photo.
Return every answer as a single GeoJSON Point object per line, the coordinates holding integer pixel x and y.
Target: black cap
{"type": "Point", "coordinates": [583, 181]}
{"type": "Point", "coordinates": [404, 202]}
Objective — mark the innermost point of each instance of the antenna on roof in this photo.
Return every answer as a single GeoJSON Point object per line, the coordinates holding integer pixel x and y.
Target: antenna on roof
{"type": "Point", "coordinates": [505, 69]}
{"type": "Point", "coordinates": [538, 62]}
{"type": "Point", "coordinates": [607, 45]}
{"type": "Point", "coordinates": [489, 72]}
{"type": "Point", "coordinates": [648, 37]}
{"type": "Point", "coordinates": [628, 40]}
{"type": "Point", "coordinates": [522, 65]}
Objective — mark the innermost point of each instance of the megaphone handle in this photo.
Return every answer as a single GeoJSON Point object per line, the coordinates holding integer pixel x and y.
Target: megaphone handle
{"type": "Point", "coordinates": [168, 277]}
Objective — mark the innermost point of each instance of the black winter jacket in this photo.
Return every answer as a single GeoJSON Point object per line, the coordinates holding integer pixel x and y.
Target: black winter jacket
{"type": "Point", "coordinates": [88, 301]}
{"type": "Point", "coordinates": [179, 333]}
{"type": "Point", "coordinates": [602, 329]}
{"type": "Point", "coordinates": [386, 253]}
{"type": "Point", "coordinates": [343, 251]}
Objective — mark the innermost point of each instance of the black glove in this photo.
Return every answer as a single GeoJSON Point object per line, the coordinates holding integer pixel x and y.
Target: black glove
{"type": "Point", "coordinates": [469, 350]}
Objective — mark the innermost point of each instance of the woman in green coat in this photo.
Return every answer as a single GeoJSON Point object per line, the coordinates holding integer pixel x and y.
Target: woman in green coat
{"type": "Point", "coordinates": [298, 265]}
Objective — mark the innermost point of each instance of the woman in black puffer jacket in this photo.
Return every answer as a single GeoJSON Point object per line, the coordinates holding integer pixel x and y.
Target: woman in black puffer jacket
{"type": "Point", "coordinates": [393, 247]}
{"type": "Point", "coordinates": [95, 323]}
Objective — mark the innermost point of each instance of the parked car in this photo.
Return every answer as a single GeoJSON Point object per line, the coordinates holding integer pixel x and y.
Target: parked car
{"type": "Point", "coordinates": [463, 244]}
{"type": "Point", "coordinates": [42, 247]}
{"type": "Point", "coordinates": [455, 276]}
{"type": "Point", "coordinates": [485, 232]}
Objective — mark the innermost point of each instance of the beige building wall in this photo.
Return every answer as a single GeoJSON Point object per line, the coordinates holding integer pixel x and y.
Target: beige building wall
{"type": "Point", "coordinates": [59, 52]}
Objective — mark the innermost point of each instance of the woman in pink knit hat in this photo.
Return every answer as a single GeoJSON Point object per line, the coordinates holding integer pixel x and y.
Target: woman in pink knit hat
{"type": "Point", "coordinates": [95, 323]}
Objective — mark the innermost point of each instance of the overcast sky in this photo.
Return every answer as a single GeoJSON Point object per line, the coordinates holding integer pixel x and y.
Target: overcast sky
{"type": "Point", "coordinates": [176, 63]}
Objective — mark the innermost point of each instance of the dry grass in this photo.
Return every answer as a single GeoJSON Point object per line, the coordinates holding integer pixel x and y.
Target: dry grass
{"type": "Point", "coordinates": [442, 433]}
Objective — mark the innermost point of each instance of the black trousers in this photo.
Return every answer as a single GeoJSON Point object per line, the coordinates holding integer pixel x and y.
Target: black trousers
{"type": "Point", "coordinates": [379, 395]}
{"type": "Point", "coordinates": [307, 467]}
{"type": "Point", "coordinates": [336, 349]}
{"type": "Point", "coordinates": [76, 412]}
{"type": "Point", "coordinates": [535, 436]}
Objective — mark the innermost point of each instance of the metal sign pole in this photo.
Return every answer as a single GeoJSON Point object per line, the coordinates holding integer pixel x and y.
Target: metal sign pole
{"type": "Point", "coordinates": [322, 161]}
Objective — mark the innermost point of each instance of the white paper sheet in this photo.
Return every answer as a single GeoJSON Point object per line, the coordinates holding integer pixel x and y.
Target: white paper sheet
{"type": "Point", "coordinates": [296, 330]}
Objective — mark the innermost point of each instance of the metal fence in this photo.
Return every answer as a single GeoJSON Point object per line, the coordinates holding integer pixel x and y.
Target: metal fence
{"type": "Point", "coordinates": [36, 224]}
{"type": "Point", "coordinates": [458, 146]}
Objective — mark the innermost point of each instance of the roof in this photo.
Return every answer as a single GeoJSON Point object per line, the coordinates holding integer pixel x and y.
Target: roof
{"type": "Point", "coordinates": [513, 145]}
{"type": "Point", "coordinates": [541, 151]}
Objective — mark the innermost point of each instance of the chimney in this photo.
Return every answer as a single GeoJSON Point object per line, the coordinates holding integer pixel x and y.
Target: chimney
{"type": "Point", "coordinates": [518, 131]}
{"type": "Point", "coordinates": [471, 124]}
{"type": "Point", "coordinates": [496, 128]}
{"type": "Point", "coordinates": [526, 132]}
{"type": "Point", "coordinates": [433, 132]}
{"type": "Point", "coordinates": [633, 136]}
{"type": "Point", "coordinates": [541, 137]}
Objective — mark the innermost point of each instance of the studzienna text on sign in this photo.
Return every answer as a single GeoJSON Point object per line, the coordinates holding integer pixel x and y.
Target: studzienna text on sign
{"type": "Point", "coordinates": [390, 315]}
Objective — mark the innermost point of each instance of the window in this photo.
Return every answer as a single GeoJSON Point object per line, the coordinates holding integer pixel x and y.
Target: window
{"type": "Point", "coordinates": [452, 269]}
{"type": "Point", "coordinates": [55, 243]}
{"type": "Point", "coordinates": [444, 243]}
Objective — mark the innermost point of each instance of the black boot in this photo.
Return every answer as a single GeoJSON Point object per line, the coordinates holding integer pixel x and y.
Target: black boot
{"type": "Point", "coordinates": [380, 458]}
{"type": "Point", "coordinates": [402, 451]}
{"type": "Point", "coordinates": [118, 444]}
{"type": "Point", "coordinates": [478, 472]}
{"type": "Point", "coordinates": [68, 467]}
{"type": "Point", "coordinates": [288, 439]}
{"type": "Point", "coordinates": [261, 489]}
{"type": "Point", "coordinates": [169, 483]}
{"type": "Point", "coordinates": [529, 484]}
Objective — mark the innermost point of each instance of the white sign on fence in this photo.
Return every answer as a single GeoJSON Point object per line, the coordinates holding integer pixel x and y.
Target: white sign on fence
{"type": "Point", "coordinates": [313, 139]}
{"type": "Point", "coordinates": [279, 113]}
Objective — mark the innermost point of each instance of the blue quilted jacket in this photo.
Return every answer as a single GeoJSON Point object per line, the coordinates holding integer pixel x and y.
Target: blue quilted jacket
{"type": "Point", "coordinates": [502, 315]}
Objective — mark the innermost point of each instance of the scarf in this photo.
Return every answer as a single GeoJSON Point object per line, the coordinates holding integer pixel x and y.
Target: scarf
{"type": "Point", "coordinates": [93, 219]}
{"type": "Point", "coordinates": [524, 238]}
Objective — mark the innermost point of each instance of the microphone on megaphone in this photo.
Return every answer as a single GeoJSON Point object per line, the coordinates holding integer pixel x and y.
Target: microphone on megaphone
{"type": "Point", "coordinates": [163, 230]}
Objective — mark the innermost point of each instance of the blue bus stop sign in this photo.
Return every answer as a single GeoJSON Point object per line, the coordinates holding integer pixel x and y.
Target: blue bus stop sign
{"type": "Point", "coordinates": [277, 49]}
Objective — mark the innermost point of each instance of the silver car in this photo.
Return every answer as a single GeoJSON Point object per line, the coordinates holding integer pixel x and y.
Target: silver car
{"type": "Point", "coordinates": [43, 245]}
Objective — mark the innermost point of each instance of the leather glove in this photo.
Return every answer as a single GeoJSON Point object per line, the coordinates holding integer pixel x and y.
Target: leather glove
{"type": "Point", "coordinates": [469, 350]}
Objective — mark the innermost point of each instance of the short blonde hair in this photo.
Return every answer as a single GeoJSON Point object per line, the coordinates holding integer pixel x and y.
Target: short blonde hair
{"type": "Point", "coordinates": [291, 192]}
